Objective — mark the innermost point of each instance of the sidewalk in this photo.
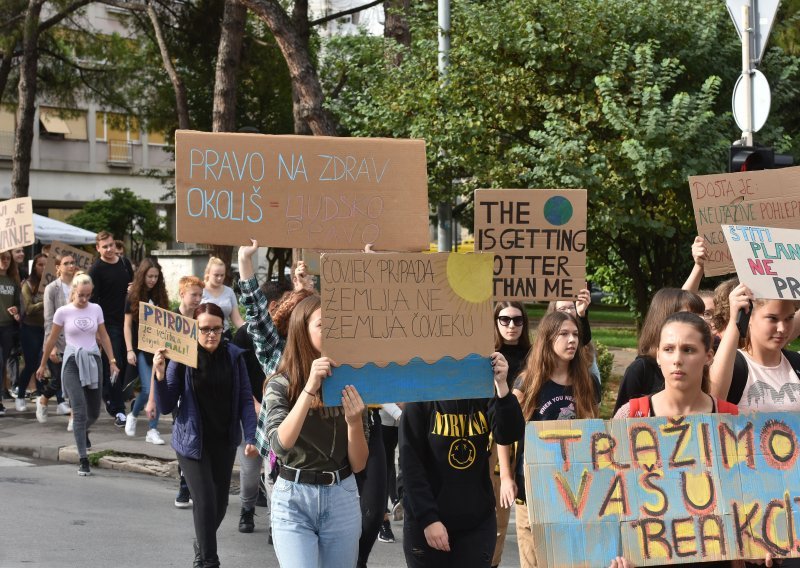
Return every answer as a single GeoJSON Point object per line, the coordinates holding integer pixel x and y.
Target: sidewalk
{"type": "Point", "coordinates": [21, 433]}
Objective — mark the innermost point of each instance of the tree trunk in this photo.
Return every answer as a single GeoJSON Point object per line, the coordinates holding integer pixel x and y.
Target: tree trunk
{"type": "Point", "coordinates": [396, 25]}
{"type": "Point", "coordinates": [181, 100]}
{"type": "Point", "coordinates": [229, 55]}
{"type": "Point", "coordinates": [305, 80]}
{"type": "Point", "coordinates": [21, 165]}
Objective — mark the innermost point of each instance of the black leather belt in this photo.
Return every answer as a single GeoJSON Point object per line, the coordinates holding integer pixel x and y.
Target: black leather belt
{"type": "Point", "coordinates": [315, 477]}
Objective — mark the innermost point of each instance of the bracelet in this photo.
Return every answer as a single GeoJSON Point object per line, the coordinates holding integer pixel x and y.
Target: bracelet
{"type": "Point", "coordinates": [130, 350]}
{"type": "Point", "coordinates": [315, 395]}
{"type": "Point", "coordinates": [113, 361]}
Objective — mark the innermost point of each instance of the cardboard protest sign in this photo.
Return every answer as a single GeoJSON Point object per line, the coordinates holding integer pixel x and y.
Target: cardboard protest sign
{"type": "Point", "coordinates": [538, 237]}
{"type": "Point", "coordinates": [767, 260]}
{"type": "Point", "coordinates": [663, 490]}
{"type": "Point", "coordinates": [768, 198]}
{"type": "Point", "coordinates": [408, 327]}
{"type": "Point", "coordinates": [301, 191]}
{"type": "Point", "coordinates": [16, 223]}
{"type": "Point", "coordinates": [83, 260]}
{"type": "Point", "coordinates": [160, 328]}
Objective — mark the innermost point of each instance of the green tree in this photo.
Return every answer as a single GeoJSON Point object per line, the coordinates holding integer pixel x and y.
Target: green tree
{"type": "Point", "coordinates": [126, 216]}
{"type": "Point", "coordinates": [625, 98]}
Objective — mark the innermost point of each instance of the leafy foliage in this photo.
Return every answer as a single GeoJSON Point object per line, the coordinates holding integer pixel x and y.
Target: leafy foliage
{"type": "Point", "coordinates": [125, 215]}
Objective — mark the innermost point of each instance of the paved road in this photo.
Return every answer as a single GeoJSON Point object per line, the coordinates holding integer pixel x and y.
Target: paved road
{"type": "Point", "coordinates": [51, 518]}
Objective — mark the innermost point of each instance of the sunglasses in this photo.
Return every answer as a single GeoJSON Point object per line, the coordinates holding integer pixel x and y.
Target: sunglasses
{"type": "Point", "coordinates": [506, 320]}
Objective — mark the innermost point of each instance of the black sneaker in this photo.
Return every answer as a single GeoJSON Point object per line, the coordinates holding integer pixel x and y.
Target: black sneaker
{"type": "Point", "coordinates": [184, 498]}
{"type": "Point", "coordinates": [198, 562]}
{"type": "Point", "coordinates": [385, 533]}
{"type": "Point", "coordinates": [246, 522]}
{"type": "Point", "coordinates": [83, 468]}
{"type": "Point", "coordinates": [119, 420]}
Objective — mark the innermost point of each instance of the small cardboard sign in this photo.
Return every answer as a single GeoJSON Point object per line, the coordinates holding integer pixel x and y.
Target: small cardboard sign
{"type": "Point", "coordinates": [160, 329]}
{"type": "Point", "coordinates": [663, 491]}
{"type": "Point", "coordinates": [83, 260]}
{"type": "Point", "coordinates": [538, 237]}
{"type": "Point", "coordinates": [407, 327]}
{"type": "Point", "coordinates": [767, 260]}
{"type": "Point", "coordinates": [301, 191]}
{"type": "Point", "coordinates": [16, 223]}
{"type": "Point", "coordinates": [764, 198]}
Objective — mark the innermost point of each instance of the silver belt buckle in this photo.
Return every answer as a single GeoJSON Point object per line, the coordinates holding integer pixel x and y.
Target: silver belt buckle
{"type": "Point", "coordinates": [333, 477]}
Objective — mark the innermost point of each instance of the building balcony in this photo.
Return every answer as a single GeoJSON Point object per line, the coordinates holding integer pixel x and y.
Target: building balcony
{"type": "Point", "coordinates": [120, 154]}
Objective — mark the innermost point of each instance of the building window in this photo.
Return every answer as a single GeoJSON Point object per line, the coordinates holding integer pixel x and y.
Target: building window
{"type": "Point", "coordinates": [64, 123]}
{"type": "Point", "coordinates": [116, 127]}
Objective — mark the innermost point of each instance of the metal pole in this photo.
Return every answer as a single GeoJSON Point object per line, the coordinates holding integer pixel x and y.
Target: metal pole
{"type": "Point", "coordinates": [444, 210]}
{"type": "Point", "coordinates": [747, 74]}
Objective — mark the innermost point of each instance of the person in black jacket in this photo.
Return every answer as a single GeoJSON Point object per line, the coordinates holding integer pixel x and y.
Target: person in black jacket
{"type": "Point", "coordinates": [449, 503]}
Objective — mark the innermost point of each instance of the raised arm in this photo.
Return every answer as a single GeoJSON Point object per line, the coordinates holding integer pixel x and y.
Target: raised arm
{"type": "Point", "coordinates": [721, 370]}
{"type": "Point", "coordinates": [699, 254]}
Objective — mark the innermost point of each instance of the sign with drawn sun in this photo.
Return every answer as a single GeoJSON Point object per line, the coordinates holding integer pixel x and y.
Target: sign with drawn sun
{"type": "Point", "coordinates": [538, 237]}
{"type": "Point", "coordinates": [407, 327]}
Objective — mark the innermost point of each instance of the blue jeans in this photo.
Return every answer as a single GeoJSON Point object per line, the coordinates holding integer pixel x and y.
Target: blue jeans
{"type": "Point", "coordinates": [316, 525]}
{"type": "Point", "coordinates": [145, 369]}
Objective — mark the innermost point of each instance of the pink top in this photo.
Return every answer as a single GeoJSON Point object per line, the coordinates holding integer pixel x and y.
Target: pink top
{"type": "Point", "coordinates": [80, 324]}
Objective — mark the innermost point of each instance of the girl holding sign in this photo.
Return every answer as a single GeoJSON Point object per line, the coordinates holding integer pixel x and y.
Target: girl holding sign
{"type": "Point", "coordinates": [315, 513]}
{"type": "Point", "coordinates": [83, 325]}
{"type": "Point", "coordinates": [147, 286]}
{"type": "Point", "coordinates": [555, 385]}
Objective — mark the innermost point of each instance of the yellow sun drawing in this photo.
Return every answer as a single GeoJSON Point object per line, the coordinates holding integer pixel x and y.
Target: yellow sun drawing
{"type": "Point", "coordinates": [470, 276]}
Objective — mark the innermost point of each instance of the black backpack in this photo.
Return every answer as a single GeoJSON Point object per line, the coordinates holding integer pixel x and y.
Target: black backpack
{"type": "Point", "coordinates": [741, 372]}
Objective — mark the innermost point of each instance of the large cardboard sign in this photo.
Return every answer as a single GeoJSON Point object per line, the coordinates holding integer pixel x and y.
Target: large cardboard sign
{"type": "Point", "coordinates": [16, 223]}
{"type": "Point", "coordinates": [664, 490]}
{"type": "Point", "coordinates": [83, 260]}
{"type": "Point", "coordinates": [301, 191]}
{"type": "Point", "coordinates": [538, 237]}
{"type": "Point", "coordinates": [767, 260]}
{"type": "Point", "coordinates": [408, 327]}
{"type": "Point", "coordinates": [768, 198]}
{"type": "Point", "coordinates": [160, 329]}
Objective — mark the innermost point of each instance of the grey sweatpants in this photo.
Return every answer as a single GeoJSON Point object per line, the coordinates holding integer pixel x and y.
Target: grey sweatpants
{"type": "Point", "coordinates": [85, 403]}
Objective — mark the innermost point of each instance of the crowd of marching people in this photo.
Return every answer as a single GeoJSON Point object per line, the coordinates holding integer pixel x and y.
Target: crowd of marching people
{"type": "Point", "coordinates": [329, 468]}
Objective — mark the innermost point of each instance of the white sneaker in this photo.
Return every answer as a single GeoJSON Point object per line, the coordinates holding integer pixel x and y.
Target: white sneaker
{"type": "Point", "coordinates": [130, 424]}
{"type": "Point", "coordinates": [63, 408]}
{"type": "Point", "coordinates": [20, 404]}
{"type": "Point", "coordinates": [69, 425]}
{"type": "Point", "coordinates": [41, 410]}
{"type": "Point", "coordinates": [153, 437]}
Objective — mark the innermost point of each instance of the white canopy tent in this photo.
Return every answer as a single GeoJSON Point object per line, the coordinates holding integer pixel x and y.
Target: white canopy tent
{"type": "Point", "coordinates": [47, 230]}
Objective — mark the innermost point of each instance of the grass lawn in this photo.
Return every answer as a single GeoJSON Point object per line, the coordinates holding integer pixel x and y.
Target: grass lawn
{"type": "Point", "coordinates": [619, 337]}
{"type": "Point", "coordinates": [598, 313]}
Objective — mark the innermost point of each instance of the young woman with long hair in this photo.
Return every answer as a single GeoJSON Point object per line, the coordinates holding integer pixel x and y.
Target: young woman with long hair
{"type": "Point", "coordinates": [216, 292]}
{"type": "Point", "coordinates": [56, 294]}
{"type": "Point", "coordinates": [214, 410]}
{"type": "Point", "coordinates": [147, 286]}
{"type": "Point", "coordinates": [315, 514]}
{"type": "Point", "coordinates": [555, 385]}
{"type": "Point", "coordinates": [10, 302]}
{"type": "Point", "coordinates": [643, 377]}
{"type": "Point", "coordinates": [83, 325]}
{"type": "Point", "coordinates": [31, 328]}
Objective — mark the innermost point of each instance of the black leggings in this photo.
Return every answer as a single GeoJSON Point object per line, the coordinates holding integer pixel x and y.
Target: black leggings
{"type": "Point", "coordinates": [8, 339]}
{"type": "Point", "coordinates": [389, 434]}
{"type": "Point", "coordinates": [468, 549]}
{"type": "Point", "coordinates": [209, 481]}
{"type": "Point", "coordinates": [372, 490]}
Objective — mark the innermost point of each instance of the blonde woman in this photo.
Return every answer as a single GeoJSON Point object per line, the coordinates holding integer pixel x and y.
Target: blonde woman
{"type": "Point", "coordinates": [215, 292]}
{"type": "Point", "coordinates": [83, 324]}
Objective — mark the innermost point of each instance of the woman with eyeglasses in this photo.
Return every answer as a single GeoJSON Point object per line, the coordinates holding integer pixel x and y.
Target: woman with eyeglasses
{"type": "Point", "coordinates": [83, 325]}
{"type": "Point", "coordinates": [513, 340]}
{"type": "Point", "coordinates": [56, 294]}
{"type": "Point", "coordinates": [555, 385]}
{"type": "Point", "coordinates": [214, 409]}
{"type": "Point", "coordinates": [10, 302]}
{"type": "Point", "coordinates": [579, 308]}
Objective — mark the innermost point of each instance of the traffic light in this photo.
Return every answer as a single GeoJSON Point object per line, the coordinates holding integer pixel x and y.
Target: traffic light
{"type": "Point", "coordinates": [749, 158]}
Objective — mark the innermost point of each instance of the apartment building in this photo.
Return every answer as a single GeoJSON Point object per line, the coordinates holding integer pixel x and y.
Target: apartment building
{"type": "Point", "coordinates": [79, 153]}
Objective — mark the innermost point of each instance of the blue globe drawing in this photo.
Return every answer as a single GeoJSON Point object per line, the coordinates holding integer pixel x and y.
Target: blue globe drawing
{"type": "Point", "coordinates": [558, 210]}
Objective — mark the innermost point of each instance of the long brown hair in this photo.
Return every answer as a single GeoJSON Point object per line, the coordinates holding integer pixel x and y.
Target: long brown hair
{"type": "Point", "coordinates": [13, 271]}
{"type": "Point", "coordinates": [525, 336]}
{"type": "Point", "coordinates": [701, 327]}
{"type": "Point", "coordinates": [722, 303]}
{"type": "Point", "coordinates": [139, 291]}
{"type": "Point", "coordinates": [666, 302]}
{"type": "Point", "coordinates": [281, 314]}
{"type": "Point", "coordinates": [759, 303]}
{"type": "Point", "coordinates": [542, 364]}
{"type": "Point", "coordinates": [299, 353]}
{"type": "Point", "coordinates": [34, 279]}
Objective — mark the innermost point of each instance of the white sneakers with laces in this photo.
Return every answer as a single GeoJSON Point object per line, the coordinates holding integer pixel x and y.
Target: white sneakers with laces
{"type": "Point", "coordinates": [130, 424]}
{"type": "Point", "coordinates": [20, 405]}
{"type": "Point", "coordinates": [63, 409]}
{"type": "Point", "coordinates": [41, 410]}
{"type": "Point", "coordinates": [153, 437]}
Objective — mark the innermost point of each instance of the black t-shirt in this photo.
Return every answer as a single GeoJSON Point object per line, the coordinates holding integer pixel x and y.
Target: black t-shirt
{"type": "Point", "coordinates": [643, 377]}
{"type": "Point", "coordinates": [213, 387]}
{"type": "Point", "coordinates": [110, 289]}
{"type": "Point", "coordinates": [254, 370]}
